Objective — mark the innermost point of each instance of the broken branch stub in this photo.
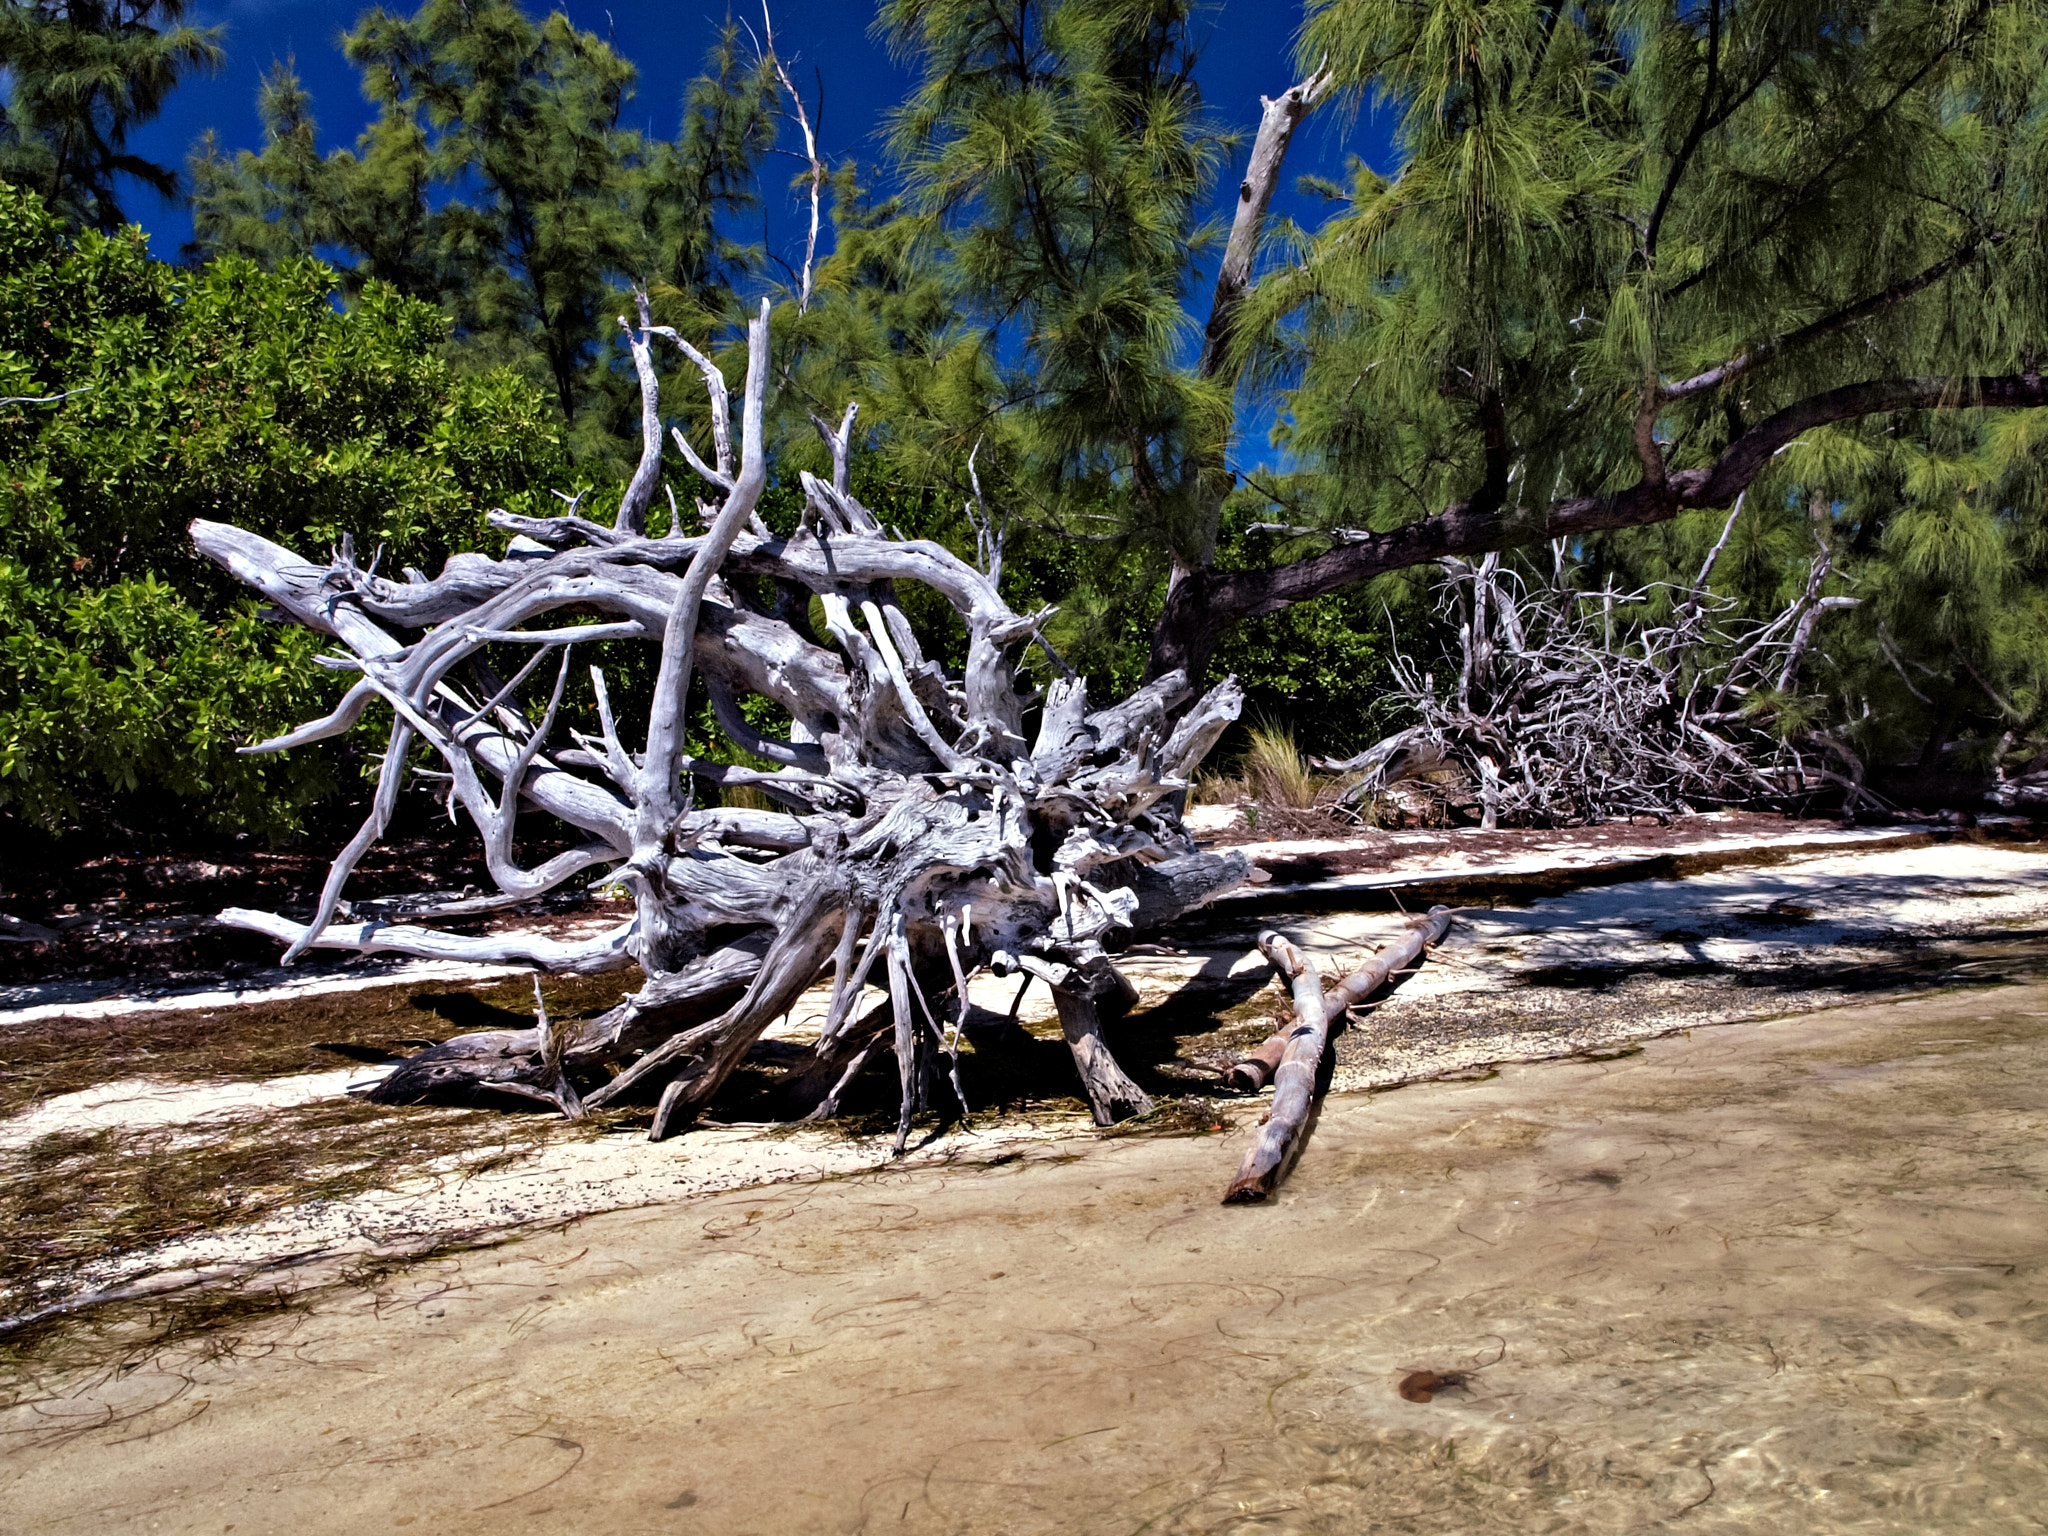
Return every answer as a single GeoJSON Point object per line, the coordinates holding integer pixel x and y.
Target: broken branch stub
{"type": "Point", "coordinates": [915, 816]}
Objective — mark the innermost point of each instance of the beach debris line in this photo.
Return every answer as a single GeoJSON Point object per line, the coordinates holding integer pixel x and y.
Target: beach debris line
{"type": "Point", "coordinates": [898, 823]}
{"type": "Point", "coordinates": [1296, 1076]}
{"type": "Point", "coordinates": [1572, 707]}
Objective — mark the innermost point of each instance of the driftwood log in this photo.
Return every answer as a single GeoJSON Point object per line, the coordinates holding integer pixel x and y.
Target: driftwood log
{"type": "Point", "coordinates": [926, 825]}
{"type": "Point", "coordinates": [1569, 706]}
{"type": "Point", "coordinates": [1278, 1141]}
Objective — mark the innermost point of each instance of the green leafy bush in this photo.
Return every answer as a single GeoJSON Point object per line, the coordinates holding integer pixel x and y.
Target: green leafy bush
{"type": "Point", "coordinates": [129, 669]}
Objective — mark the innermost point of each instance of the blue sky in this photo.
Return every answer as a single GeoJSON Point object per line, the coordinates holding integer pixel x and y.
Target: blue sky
{"type": "Point", "coordinates": [1248, 53]}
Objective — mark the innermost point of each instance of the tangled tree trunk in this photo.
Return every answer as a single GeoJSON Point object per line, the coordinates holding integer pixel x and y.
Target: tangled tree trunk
{"type": "Point", "coordinates": [1571, 707]}
{"type": "Point", "coordinates": [921, 834]}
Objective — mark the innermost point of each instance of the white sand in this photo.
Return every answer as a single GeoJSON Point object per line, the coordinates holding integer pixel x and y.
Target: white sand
{"type": "Point", "coordinates": [148, 1104]}
{"type": "Point", "coordinates": [112, 997]}
{"type": "Point", "coordinates": [1860, 903]}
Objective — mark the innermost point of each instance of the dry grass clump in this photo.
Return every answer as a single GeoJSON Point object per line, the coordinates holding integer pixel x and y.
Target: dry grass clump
{"type": "Point", "coordinates": [1217, 789]}
{"type": "Point", "coordinates": [1276, 789]}
{"type": "Point", "coordinates": [747, 797]}
{"type": "Point", "coordinates": [1277, 774]}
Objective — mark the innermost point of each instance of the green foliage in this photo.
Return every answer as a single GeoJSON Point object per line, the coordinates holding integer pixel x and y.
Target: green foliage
{"type": "Point", "coordinates": [1318, 666]}
{"type": "Point", "coordinates": [235, 395]}
{"type": "Point", "coordinates": [1939, 529]}
{"type": "Point", "coordinates": [1024, 302]}
{"type": "Point", "coordinates": [1724, 206]}
{"type": "Point", "coordinates": [1594, 195]}
{"type": "Point", "coordinates": [497, 183]}
{"type": "Point", "coordinates": [1053, 160]}
{"type": "Point", "coordinates": [80, 75]}
{"type": "Point", "coordinates": [1593, 201]}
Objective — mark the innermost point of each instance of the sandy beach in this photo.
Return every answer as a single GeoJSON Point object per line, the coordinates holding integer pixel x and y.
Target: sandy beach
{"type": "Point", "coordinates": [1724, 1179]}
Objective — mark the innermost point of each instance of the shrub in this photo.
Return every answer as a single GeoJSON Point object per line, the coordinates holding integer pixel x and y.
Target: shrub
{"type": "Point", "coordinates": [129, 670]}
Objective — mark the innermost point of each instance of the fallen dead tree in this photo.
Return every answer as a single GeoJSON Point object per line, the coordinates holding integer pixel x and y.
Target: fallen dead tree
{"type": "Point", "coordinates": [1297, 1064]}
{"type": "Point", "coordinates": [919, 834]}
{"type": "Point", "coordinates": [1568, 708]}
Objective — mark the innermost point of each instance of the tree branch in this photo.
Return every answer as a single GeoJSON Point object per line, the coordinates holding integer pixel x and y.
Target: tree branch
{"type": "Point", "coordinates": [1701, 121]}
{"type": "Point", "coordinates": [640, 489]}
{"type": "Point", "coordinates": [1465, 529]}
{"type": "Point", "coordinates": [1848, 315]}
{"type": "Point", "coordinates": [803, 121]}
{"type": "Point", "coordinates": [657, 793]}
{"type": "Point", "coordinates": [1282, 115]}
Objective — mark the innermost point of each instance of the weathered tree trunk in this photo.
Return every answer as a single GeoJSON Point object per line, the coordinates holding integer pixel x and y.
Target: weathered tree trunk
{"type": "Point", "coordinates": [1079, 995]}
{"type": "Point", "coordinates": [920, 830]}
{"type": "Point", "coordinates": [1278, 1140]}
{"type": "Point", "coordinates": [1294, 1081]}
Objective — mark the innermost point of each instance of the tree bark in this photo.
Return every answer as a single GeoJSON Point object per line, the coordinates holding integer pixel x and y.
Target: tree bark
{"type": "Point", "coordinates": [1205, 474]}
{"type": "Point", "coordinates": [1279, 117]}
{"type": "Point", "coordinates": [1277, 1144]}
{"type": "Point", "coordinates": [1251, 1073]}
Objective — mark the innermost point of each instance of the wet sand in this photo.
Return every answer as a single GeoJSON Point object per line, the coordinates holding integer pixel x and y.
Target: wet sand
{"type": "Point", "coordinates": [1782, 1276]}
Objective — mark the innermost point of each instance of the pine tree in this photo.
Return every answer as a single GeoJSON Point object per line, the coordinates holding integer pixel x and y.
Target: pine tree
{"type": "Point", "coordinates": [497, 182]}
{"type": "Point", "coordinates": [290, 201]}
{"type": "Point", "coordinates": [1632, 253]}
{"type": "Point", "coordinates": [81, 76]}
{"type": "Point", "coordinates": [1056, 155]}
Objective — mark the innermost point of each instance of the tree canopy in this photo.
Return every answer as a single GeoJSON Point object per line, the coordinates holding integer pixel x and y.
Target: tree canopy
{"type": "Point", "coordinates": [1628, 264]}
{"type": "Point", "coordinates": [80, 76]}
{"type": "Point", "coordinates": [138, 397]}
{"type": "Point", "coordinates": [497, 182]}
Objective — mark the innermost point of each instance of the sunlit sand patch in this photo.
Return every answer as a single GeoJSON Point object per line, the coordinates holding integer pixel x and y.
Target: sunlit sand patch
{"type": "Point", "coordinates": [1584, 973]}
{"type": "Point", "coordinates": [143, 1104]}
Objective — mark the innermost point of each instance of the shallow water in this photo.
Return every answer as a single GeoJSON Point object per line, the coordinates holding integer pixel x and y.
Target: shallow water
{"type": "Point", "coordinates": [1773, 1277]}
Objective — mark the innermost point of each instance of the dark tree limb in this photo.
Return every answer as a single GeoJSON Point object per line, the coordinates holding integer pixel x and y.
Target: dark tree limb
{"type": "Point", "coordinates": [1202, 606]}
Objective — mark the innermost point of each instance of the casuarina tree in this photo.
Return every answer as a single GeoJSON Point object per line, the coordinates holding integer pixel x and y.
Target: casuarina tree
{"type": "Point", "coordinates": [80, 76]}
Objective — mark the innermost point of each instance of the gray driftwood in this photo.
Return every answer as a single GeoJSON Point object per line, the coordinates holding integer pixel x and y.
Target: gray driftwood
{"type": "Point", "coordinates": [1278, 1141]}
{"type": "Point", "coordinates": [927, 825]}
{"type": "Point", "coordinates": [1577, 706]}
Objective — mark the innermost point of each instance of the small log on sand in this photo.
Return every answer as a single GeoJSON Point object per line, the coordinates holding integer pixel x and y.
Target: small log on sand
{"type": "Point", "coordinates": [1253, 1072]}
{"type": "Point", "coordinates": [1278, 1141]}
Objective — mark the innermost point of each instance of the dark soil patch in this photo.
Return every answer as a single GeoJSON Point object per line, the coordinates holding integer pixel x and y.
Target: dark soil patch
{"type": "Point", "coordinates": [278, 1038]}
{"type": "Point", "coordinates": [142, 912]}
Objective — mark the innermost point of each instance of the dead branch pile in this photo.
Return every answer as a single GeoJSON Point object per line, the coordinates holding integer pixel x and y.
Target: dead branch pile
{"type": "Point", "coordinates": [1567, 710]}
{"type": "Point", "coordinates": [921, 834]}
